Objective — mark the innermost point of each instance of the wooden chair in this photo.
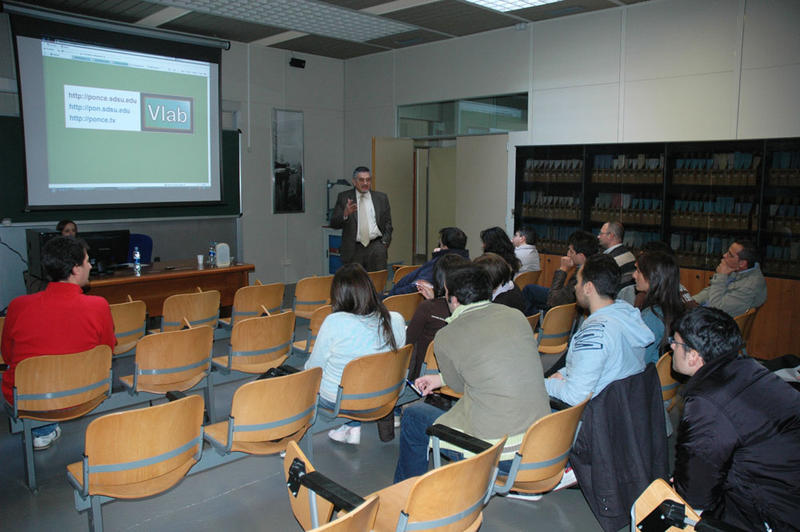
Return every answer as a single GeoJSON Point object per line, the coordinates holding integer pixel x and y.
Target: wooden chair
{"type": "Point", "coordinates": [430, 366]}
{"type": "Point", "coordinates": [524, 279]}
{"type": "Point", "coordinates": [534, 321]}
{"type": "Point", "coordinates": [402, 271]}
{"type": "Point", "coordinates": [539, 464]}
{"type": "Point", "coordinates": [55, 388]}
{"type": "Point", "coordinates": [258, 344]}
{"type": "Point", "coordinates": [357, 520]}
{"type": "Point", "coordinates": [405, 304]}
{"type": "Point", "coordinates": [302, 503]}
{"type": "Point", "coordinates": [652, 497]}
{"type": "Point", "coordinates": [136, 454]}
{"type": "Point", "coordinates": [267, 414]}
{"type": "Point", "coordinates": [319, 315]}
{"type": "Point", "coordinates": [669, 385]}
{"type": "Point", "coordinates": [173, 361]}
{"type": "Point", "coordinates": [556, 326]}
{"type": "Point", "coordinates": [310, 294]}
{"type": "Point", "coordinates": [198, 308]}
{"type": "Point", "coordinates": [130, 320]}
{"type": "Point", "coordinates": [378, 279]}
{"type": "Point", "coordinates": [253, 301]}
{"type": "Point", "coordinates": [745, 322]}
{"type": "Point", "coordinates": [369, 388]}
{"type": "Point", "coordinates": [448, 498]}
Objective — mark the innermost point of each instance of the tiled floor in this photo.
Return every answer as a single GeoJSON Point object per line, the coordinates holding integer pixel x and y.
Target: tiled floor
{"type": "Point", "coordinates": [246, 495]}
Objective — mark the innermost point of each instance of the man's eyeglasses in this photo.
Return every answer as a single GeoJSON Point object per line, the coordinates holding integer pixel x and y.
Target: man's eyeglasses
{"type": "Point", "coordinates": [671, 340]}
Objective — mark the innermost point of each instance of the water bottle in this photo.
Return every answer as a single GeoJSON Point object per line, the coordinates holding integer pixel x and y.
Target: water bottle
{"type": "Point", "coordinates": [137, 261]}
{"type": "Point", "coordinates": [212, 254]}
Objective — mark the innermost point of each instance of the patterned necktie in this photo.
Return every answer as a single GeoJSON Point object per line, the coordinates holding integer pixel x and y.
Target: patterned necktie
{"type": "Point", "coordinates": [363, 220]}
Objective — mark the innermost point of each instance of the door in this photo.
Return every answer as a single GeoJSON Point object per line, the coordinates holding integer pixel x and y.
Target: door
{"type": "Point", "coordinates": [393, 174]}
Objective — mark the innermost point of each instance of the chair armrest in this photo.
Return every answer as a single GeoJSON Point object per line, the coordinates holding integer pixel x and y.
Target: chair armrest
{"type": "Point", "coordinates": [341, 497]}
{"type": "Point", "coordinates": [175, 395]}
{"type": "Point", "coordinates": [458, 438]}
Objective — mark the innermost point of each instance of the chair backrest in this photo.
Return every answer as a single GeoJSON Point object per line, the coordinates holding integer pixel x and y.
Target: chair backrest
{"type": "Point", "coordinates": [199, 308]}
{"type": "Point", "coordinates": [556, 326]}
{"type": "Point", "coordinates": [430, 365]}
{"type": "Point", "coordinates": [143, 452]}
{"type": "Point", "coordinates": [358, 519]}
{"type": "Point", "coordinates": [402, 271]}
{"type": "Point", "coordinates": [315, 323]}
{"type": "Point", "coordinates": [173, 358]}
{"type": "Point", "coordinates": [258, 344]}
{"type": "Point", "coordinates": [145, 245]}
{"type": "Point", "coordinates": [669, 385]}
{"type": "Point", "coordinates": [405, 304]}
{"type": "Point", "coordinates": [745, 322]}
{"type": "Point", "coordinates": [534, 320]}
{"type": "Point", "coordinates": [129, 324]}
{"type": "Point", "coordinates": [300, 503]}
{"type": "Point", "coordinates": [455, 493]}
{"type": "Point", "coordinates": [545, 449]}
{"type": "Point", "coordinates": [249, 300]}
{"type": "Point", "coordinates": [525, 278]}
{"type": "Point", "coordinates": [371, 384]}
{"type": "Point", "coordinates": [61, 387]}
{"type": "Point", "coordinates": [283, 406]}
{"type": "Point", "coordinates": [312, 293]}
{"type": "Point", "coordinates": [652, 497]}
{"type": "Point", "coordinates": [378, 279]}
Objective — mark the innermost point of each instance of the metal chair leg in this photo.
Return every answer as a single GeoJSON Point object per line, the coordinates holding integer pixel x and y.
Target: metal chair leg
{"type": "Point", "coordinates": [27, 444]}
{"type": "Point", "coordinates": [95, 514]}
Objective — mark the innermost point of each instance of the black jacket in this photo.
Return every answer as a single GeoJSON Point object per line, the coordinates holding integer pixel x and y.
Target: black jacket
{"type": "Point", "coordinates": [621, 447]}
{"type": "Point", "coordinates": [738, 449]}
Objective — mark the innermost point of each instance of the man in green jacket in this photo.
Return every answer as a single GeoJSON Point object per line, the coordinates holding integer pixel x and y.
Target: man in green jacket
{"type": "Point", "coordinates": [488, 353]}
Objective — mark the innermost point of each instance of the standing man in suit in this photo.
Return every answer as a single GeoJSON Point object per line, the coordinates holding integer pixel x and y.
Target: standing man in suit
{"type": "Point", "coordinates": [365, 219]}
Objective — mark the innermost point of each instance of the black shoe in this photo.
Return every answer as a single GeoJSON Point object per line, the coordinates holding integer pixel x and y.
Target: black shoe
{"type": "Point", "coordinates": [386, 427]}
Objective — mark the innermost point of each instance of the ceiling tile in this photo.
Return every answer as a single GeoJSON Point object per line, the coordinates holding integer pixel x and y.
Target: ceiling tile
{"type": "Point", "coordinates": [453, 18]}
{"type": "Point", "coordinates": [411, 38]}
{"type": "Point", "coordinates": [221, 27]}
{"type": "Point", "coordinates": [119, 10]}
{"type": "Point", "coordinates": [563, 9]}
{"type": "Point", "coordinates": [328, 47]}
{"type": "Point", "coordinates": [355, 4]}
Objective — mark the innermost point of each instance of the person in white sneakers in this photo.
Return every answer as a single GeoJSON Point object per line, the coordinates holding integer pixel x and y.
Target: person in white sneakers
{"type": "Point", "coordinates": [359, 325]}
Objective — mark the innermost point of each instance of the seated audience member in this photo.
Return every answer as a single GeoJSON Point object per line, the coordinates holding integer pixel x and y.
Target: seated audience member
{"type": "Point", "coordinates": [610, 239]}
{"type": "Point", "coordinates": [636, 297]}
{"type": "Point", "coordinates": [610, 343]}
{"type": "Point", "coordinates": [658, 277]}
{"type": "Point", "coordinates": [488, 353]}
{"type": "Point", "coordinates": [738, 447]}
{"type": "Point", "coordinates": [524, 241]}
{"type": "Point", "coordinates": [581, 245]}
{"type": "Point", "coordinates": [495, 240]}
{"type": "Point", "coordinates": [738, 284]}
{"type": "Point", "coordinates": [451, 240]}
{"type": "Point", "coordinates": [56, 321]}
{"type": "Point", "coordinates": [67, 228]}
{"type": "Point", "coordinates": [504, 291]}
{"type": "Point", "coordinates": [359, 324]}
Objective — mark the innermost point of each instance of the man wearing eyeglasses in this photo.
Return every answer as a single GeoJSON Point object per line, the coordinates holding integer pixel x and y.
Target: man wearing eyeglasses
{"type": "Point", "coordinates": [738, 446]}
{"type": "Point", "coordinates": [738, 284]}
{"type": "Point", "coordinates": [365, 218]}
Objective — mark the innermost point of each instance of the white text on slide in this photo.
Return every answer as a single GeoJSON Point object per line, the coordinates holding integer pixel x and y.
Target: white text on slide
{"type": "Point", "coordinates": [96, 108]}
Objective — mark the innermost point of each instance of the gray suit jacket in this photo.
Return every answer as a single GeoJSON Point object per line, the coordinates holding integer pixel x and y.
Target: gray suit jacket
{"type": "Point", "coordinates": [349, 227]}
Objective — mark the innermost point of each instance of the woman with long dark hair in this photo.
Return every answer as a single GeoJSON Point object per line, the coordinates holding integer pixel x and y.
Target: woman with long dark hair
{"type": "Point", "coordinates": [658, 276]}
{"type": "Point", "coordinates": [495, 240]}
{"type": "Point", "coordinates": [359, 325]}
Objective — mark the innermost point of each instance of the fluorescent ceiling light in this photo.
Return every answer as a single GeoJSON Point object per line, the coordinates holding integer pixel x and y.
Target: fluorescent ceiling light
{"type": "Point", "coordinates": [306, 16]}
{"type": "Point", "coordinates": [511, 5]}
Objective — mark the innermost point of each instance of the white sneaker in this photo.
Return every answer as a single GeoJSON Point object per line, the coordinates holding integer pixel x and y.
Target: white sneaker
{"type": "Point", "coordinates": [396, 421]}
{"type": "Point", "coordinates": [523, 496]}
{"type": "Point", "coordinates": [40, 443]}
{"type": "Point", "coordinates": [568, 480]}
{"type": "Point", "coordinates": [345, 434]}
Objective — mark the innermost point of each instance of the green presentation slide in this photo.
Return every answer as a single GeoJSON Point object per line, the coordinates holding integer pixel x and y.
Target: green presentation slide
{"type": "Point", "coordinates": [119, 125]}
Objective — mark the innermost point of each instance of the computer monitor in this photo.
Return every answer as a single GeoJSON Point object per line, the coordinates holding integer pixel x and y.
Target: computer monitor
{"type": "Point", "coordinates": [35, 240]}
{"type": "Point", "coordinates": [107, 249]}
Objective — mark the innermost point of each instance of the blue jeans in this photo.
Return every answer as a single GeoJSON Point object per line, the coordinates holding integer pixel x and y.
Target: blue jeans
{"type": "Point", "coordinates": [535, 298]}
{"type": "Point", "coordinates": [413, 458]}
{"type": "Point", "coordinates": [44, 430]}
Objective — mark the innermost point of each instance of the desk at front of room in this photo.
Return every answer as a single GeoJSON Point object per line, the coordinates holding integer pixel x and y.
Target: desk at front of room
{"type": "Point", "coordinates": [163, 279]}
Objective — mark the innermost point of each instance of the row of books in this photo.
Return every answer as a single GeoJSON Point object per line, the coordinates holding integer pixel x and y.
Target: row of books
{"type": "Point", "coordinates": [713, 204]}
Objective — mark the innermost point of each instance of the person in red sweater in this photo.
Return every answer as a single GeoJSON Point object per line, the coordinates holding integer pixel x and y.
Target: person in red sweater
{"type": "Point", "coordinates": [57, 321]}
